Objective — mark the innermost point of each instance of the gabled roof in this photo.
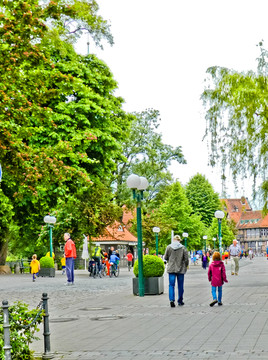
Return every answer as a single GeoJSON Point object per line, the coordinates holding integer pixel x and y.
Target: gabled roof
{"type": "Point", "coordinates": [240, 211]}
{"type": "Point", "coordinates": [236, 207]}
{"type": "Point", "coordinates": [116, 232]}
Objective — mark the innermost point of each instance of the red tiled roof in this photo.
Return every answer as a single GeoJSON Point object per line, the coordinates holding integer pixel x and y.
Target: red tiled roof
{"type": "Point", "coordinates": [116, 232]}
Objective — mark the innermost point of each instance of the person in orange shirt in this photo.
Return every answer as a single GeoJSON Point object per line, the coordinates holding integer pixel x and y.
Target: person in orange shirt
{"type": "Point", "coordinates": [70, 255]}
{"type": "Point", "coordinates": [35, 266]}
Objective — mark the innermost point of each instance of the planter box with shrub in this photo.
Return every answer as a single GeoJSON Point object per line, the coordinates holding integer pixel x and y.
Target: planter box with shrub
{"type": "Point", "coordinates": [153, 270]}
{"type": "Point", "coordinates": [47, 267]}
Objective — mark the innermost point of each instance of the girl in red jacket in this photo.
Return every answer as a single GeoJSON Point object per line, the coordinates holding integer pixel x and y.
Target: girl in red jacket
{"type": "Point", "coordinates": [217, 276]}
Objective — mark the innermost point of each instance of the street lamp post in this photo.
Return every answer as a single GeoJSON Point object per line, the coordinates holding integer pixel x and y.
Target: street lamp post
{"type": "Point", "coordinates": [50, 221]}
{"type": "Point", "coordinates": [214, 239]}
{"type": "Point", "coordinates": [156, 230]}
{"type": "Point", "coordinates": [138, 184]}
{"type": "Point", "coordinates": [219, 214]}
{"type": "Point", "coordinates": [205, 241]}
{"type": "Point", "coordinates": [185, 236]}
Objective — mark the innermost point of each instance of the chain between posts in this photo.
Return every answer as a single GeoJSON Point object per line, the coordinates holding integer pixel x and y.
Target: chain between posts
{"type": "Point", "coordinates": [43, 306]}
{"type": "Point", "coordinates": [20, 326]}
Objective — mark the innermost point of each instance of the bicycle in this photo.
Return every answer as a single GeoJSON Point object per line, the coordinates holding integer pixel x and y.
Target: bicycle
{"type": "Point", "coordinates": [93, 269]}
{"type": "Point", "coordinates": [113, 270]}
{"type": "Point", "coordinates": [103, 271]}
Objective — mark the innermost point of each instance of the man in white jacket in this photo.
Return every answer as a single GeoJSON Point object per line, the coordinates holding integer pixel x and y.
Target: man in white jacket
{"type": "Point", "coordinates": [177, 257]}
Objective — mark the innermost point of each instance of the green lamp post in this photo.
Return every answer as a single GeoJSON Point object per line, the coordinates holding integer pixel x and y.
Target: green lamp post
{"type": "Point", "coordinates": [219, 214]}
{"type": "Point", "coordinates": [50, 221]}
{"type": "Point", "coordinates": [138, 184]}
{"type": "Point", "coordinates": [205, 242]}
{"type": "Point", "coordinates": [156, 230]}
{"type": "Point", "coordinates": [185, 236]}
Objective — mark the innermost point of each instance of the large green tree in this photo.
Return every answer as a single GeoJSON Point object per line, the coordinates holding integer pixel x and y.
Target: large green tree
{"type": "Point", "coordinates": [202, 197]}
{"type": "Point", "coordinates": [237, 120]}
{"type": "Point", "coordinates": [146, 155]}
{"type": "Point", "coordinates": [50, 104]}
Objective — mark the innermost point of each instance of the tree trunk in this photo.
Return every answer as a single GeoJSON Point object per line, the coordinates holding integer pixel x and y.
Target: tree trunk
{"type": "Point", "coordinates": [3, 251]}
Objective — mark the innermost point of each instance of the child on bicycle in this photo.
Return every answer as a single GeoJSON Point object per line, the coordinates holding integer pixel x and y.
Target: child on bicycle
{"type": "Point", "coordinates": [114, 259]}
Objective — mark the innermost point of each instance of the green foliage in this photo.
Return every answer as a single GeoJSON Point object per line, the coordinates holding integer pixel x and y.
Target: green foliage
{"type": "Point", "coordinates": [153, 266]}
{"type": "Point", "coordinates": [236, 114]}
{"type": "Point", "coordinates": [202, 198]}
{"type": "Point", "coordinates": [146, 155]}
{"type": "Point", "coordinates": [46, 262]}
{"type": "Point", "coordinates": [227, 233]}
{"type": "Point", "coordinates": [20, 337]}
{"type": "Point", "coordinates": [60, 124]}
{"type": "Point", "coordinates": [177, 214]}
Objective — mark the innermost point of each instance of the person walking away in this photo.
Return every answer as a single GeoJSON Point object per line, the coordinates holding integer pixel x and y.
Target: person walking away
{"type": "Point", "coordinates": [177, 257]}
{"type": "Point", "coordinates": [234, 255]}
{"type": "Point", "coordinates": [204, 260]}
{"type": "Point", "coordinates": [97, 255]}
{"type": "Point", "coordinates": [250, 253]}
{"type": "Point", "coordinates": [63, 264]}
{"type": "Point", "coordinates": [35, 266]}
{"type": "Point", "coordinates": [70, 255]}
{"type": "Point", "coordinates": [129, 257]}
{"type": "Point", "coordinates": [217, 277]}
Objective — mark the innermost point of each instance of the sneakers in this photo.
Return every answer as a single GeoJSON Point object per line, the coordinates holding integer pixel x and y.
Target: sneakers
{"type": "Point", "coordinates": [213, 303]}
{"type": "Point", "coordinates": [172, 304]}
{"type": "Point", "coordinates": [181, 303]}
{"type": "Point", "coordinates": [68, 284]}
{"type": "Point", "coordinates": [220, 303]}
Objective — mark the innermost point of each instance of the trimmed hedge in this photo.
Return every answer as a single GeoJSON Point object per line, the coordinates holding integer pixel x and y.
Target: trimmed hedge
{"type": "Point", "coordinates": [46, 262]}
{"type": "Point", "coordinates": [153, 266]}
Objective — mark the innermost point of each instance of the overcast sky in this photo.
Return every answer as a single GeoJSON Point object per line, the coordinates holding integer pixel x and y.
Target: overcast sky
{"type": "Point", "coordinates": [161, 52]}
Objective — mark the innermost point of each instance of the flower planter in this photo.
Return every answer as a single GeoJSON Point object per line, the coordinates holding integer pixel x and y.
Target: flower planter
{"type": "Point", "coordinates": [152, 285]}
{"type": "Point", "coordinates": [50, 272]}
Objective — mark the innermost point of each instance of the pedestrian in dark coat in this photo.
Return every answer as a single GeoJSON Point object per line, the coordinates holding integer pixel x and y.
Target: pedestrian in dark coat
{"type": "Point", "coordinates": [177, 257]}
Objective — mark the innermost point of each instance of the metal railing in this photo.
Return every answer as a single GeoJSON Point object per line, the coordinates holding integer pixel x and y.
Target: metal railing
{"type": "Point", "coordinates": [43, 305]}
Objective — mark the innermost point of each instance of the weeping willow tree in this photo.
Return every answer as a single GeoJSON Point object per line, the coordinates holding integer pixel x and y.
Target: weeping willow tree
{"type": "Point", "coordinates": [236, 106]}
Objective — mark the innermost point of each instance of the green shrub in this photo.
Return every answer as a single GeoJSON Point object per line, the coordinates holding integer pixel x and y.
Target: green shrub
{"type": "Point", "coordinates": [153, 266]}
{"type": "Point", "coordinates": [21, 330]}
{"type": "Point", "coordinates": [46, 262]}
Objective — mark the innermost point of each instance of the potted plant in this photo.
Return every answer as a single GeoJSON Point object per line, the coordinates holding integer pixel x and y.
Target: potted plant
{"type": "Point", "coordinates": [47, 266]}
{"type": "Point", "coordinates": [153, 270]}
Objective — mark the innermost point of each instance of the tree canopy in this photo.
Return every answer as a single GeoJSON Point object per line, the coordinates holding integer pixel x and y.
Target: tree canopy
{"type": "Point", "coordinates": [237, 120]}
{"type": "Point", "coordinates": [145, 154]}
{"type": "Point", "coordinates": [202, 197]}
{"type": "Point", "coordinates": [61, 125]}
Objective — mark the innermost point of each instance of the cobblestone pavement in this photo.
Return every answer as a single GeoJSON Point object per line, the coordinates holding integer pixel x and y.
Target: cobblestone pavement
{"type": "Point", "coordinates": [100, 318]}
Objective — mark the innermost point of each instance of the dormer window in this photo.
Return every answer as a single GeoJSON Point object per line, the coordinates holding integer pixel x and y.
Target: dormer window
{"type": "Point", "coordinates": [120, 228]}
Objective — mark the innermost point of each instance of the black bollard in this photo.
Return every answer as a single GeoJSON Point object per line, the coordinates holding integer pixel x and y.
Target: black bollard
{"type": "Point", "coordinates": [6, 326]}
{"type": "Point", "coordinates": [47, 354]}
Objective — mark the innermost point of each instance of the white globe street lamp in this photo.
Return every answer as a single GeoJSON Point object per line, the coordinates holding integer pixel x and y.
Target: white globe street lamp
{"type": "Point", "coordinates": [50, 221]}
{"type": "Point", "coordinates": [138, 184]}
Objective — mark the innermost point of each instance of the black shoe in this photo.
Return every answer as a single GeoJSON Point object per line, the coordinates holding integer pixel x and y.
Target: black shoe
{"type": "Point", "coordinates": [181, 303]}
{"type": "Point", "coordinates": [213, 303]}
{"type": "Point", "coordinates": [219, 303]}
{"type": "Point", "coordinates": [172, 304]}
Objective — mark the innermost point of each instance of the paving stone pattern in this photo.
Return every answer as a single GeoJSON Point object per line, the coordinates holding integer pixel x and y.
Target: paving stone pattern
{"type": "Point", "coordinates": [102, 319]}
